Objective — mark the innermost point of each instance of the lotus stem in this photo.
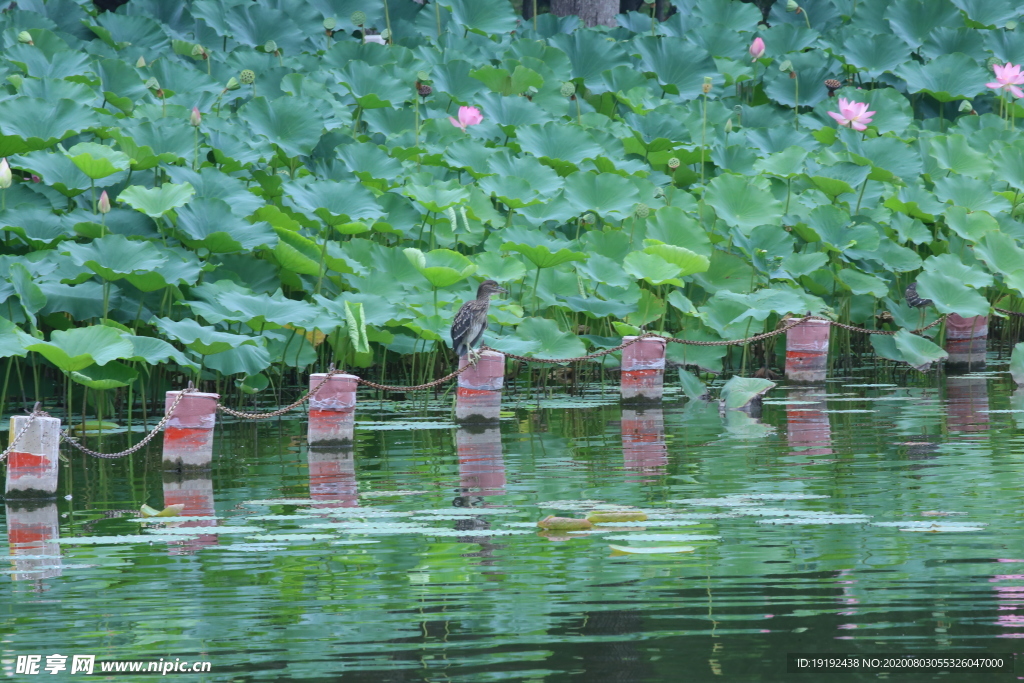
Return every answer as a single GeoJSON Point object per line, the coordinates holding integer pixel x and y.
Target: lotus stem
{"type": "Point", "coordinates": [195, 159]}
{"type": "Point", "coordinates": [796, 97]}
{"type": "Point", "coordinates": [106, 298]}
{"type": "Point", "coordinates": [536, 295]}
{"type": "Point", "coordinates": [534, 15]}
{"type": "Point", "coordinates": [437, 13]}
{"type": "Point", "coordinates": [806, 17]}
{"type": "Point", "coordinates": [862, 188]}
{"type": "Point", "coordinates": [387, 20]}
{"type": "Point", "coordinates": [703, 137]}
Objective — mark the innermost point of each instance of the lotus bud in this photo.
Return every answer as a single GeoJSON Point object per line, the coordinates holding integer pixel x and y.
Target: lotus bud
{"type": "Point", "coordinates": [757, 49]}
{"type": "Point", "coordinates": [196, 118]}
{"type": "Point", "coordinates": [247, 76]}
{"type": "Point", "coordinates": [270, 46]}
{"type": "Point", "coordinates": [36, 179]}
{"type": "Point", "coordinates": [993, 61]}
{"type": "Point", "coordinates": [791, 6]}
{"type": "Point", "coordinates": [330, 23]}
{"type": "Point", "coordinates": [358, 18]}
{"type": "Point", "coordinates": [965, 106]}
{"type": "Point", "coordinates": [642, 210]}
{"type": "Point", "coordinates": [728, 126]}
{"type": "Point", "coordinates": [568, 89]}
{"type": "Point", "coordinates": [588, 219]}
{"type": "Point", "coordinates": [152, 84]}
{"type": "Point", "coordinates": [25, 37]}
{"type": "Point", "coordinates": [103, 205]}
{"type": "Point", "coordinates": [141, 64]}
{"type": "Point", "coordinates": [673, 163]}
{"type": "Point", "coordinates": [5, 174]}
{"type": "Point", "coordinates": [199, 51]}
{"type": "Point", "coordinates": [233, 84]}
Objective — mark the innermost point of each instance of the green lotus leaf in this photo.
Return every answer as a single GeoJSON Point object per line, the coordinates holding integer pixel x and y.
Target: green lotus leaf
{"type": "Point", "coordinates": [482, 16]}
{"type": "Point", "coordinates": [153, 351]}
{"type": "Point", "coordinates": [156, 201]}
{"type": "Point", "coordinates": [740, 391]}
{"type": "Point", "coordinates": [970, 225]}
{"type": "Point", "coordinates": [787, 163]}
{"type": "Point", "coordinates": [202, 339]}
{"type": "Point", "coordinates": [553, 342]}
{"type": "Point", "coordinates": [355, 320]}
{"type": "Point", "coordinates": [951, 266]}
{"type": "Point", "coordinates": [605, 194]}
{"type": "Point", "coordinates": [591, 53]}
{"type": "Point", "coordinates": [672, 225]}
{"type": "Point", "coordinates": [954, 153]}
{"type": "Point", "coordinates": [989, 13]}
{"type": "Point", "coordinates": [917, 351]}
{"type": "Point", "coordinates": [35, 224]}
{"type": "Point", "coordinates": [833, 226]}
{"type": "Point", "coordinates": [890, 161]}
{"type": "Point", "coordinates": [1009, 166]}
{"type": "Point", "coordinates": [97, 161]}
{"type": "Point", "coordinates": [334, 203]}
{"type": "Point", "coordinates": [13, 341]}
{"type": "Point", "coordinates": [946, 78]}
{"type": "Point", "coordinates": [441, 267]}
{"type": "Point", "coordinates": [373, 87]}
{"type": "Point", "coordinates": [542, 250]}
{"type": "Point", "coordinates": [290, 123]}
{"type": "Point", "coordinates": [1016, 363]}
{"type": "Point", "coordinates": [453, 79]}
{"type": "Point", "coordinates": [495, 266]}
{"type": "Point", "coordinates": [742, 203]}
{"type": "Point", "coordinates": [114, 256]}
{"type": "Point", "coordinates": [679, 67]}
{"type": "Point", "coordinates": [687, 261]}
{"type": "Point", "coordinates": [152, 142]}
{"type": "Point", "coordinates": [970, 193]}
{"type": "Point", "coordinates": [56, 170]}
{"type": "Point", "coordinates": [841, 178]}
{"type": "Point", "coordinates": [248, 360]}
{"type": "Point", "coordinates": [951, 295]}
{"type": "Point", "coordinates": [509, 112]}
{"type": "Point", "coordinates": [553, 141]}
{"type": "Point", "coordinates": [1000, 253]}
{"type": "Point", "coordinates": [914, 20]}
{"type": "Point", "coordinates": [505, 83]}
{"type": "Point", "coordinates": [694, 389]}
{"type": "Point", "coordinates": [121, 84]}
{"type": "Point", "coordinates": [437, 196]}
{"type": "Point", "coordinates": [726, 272]}
{"type": "Point", "coordinates": [652, 268]}
{"type": "Point", "coordinates": [862, 283]}
{"type": "Point", "coordinates": [112, 375]}
{"type": "Point", "coordinates": [872, 53]}
{"type": "Point", "coordinates": [210, 223]}
{"type": "Point", "coordinates": [28, 124]}
{"type": "Point", "coordinates": [80, 347]}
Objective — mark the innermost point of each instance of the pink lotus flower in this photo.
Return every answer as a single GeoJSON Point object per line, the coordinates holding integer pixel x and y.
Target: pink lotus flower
{"type": "Point", "coordinates": [196, 118]}
{"type": "Point", "coordinates": [468, 116]}
{"type": "Point", "coordinates": [103, 206]}
{"type": "Point", "coordinates": [1008, 78]}
{"type": "Point", "coordinates": [852, 114]}
{"type": "Point", "coordinates": [757, 49]}
{"type": "Point", "coordinates": [6, 177]}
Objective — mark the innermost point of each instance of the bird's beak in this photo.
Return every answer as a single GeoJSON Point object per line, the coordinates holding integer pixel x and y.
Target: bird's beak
{"type": "Point", "coordinates": [502, 290]}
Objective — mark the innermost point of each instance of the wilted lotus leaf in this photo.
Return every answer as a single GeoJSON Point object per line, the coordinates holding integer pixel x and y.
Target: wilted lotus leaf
{"type": "Point", "coordinates": [605, 517]}
{"type": "Point", "coordinates": [662, 550]}
{"type": "Point", "coordinates": [564, 523]}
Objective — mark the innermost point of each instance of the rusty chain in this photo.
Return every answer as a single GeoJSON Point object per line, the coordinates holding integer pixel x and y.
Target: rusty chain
{"type": "Point", "coordinates": [420, 387]}
{"type": "Point", "coordinates": [854, 328]}
{"type": "Point", "coordinates": [1017, 314]}
{"type": "Point", "coordinates": [331, 372]}
{"type": "Point", "coordinates": [36, 412]}
{"type": "Point", "coordinates": [65, 436]}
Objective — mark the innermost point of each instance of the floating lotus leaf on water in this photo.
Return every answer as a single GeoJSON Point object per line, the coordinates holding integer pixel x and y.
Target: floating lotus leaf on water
{"type": "Point", "coordinates": [468, 512]}
{"type": "Point", "coordinates": [174, 519]}
{"type": "Point", "coordinates": [655, 522]}
{"type": "Point", "coordinates": [385, 494]}
{"type": "Point", "coordinates": [284, 538]}
{"type": "Point", "coordinates": [250, 547]}
{"type": "Point", "coordinates": [128, 538]}
{"type": "Point", "coordinates": [367, 512]}
{"type": "Point", "coordinates": [824, 519]}
{"type": "Point", "coordinates": [687, 516]}
{"type": "Point", "coordinates": [564, 523]}
{"type": "Point", "coordinates": [209, 530]}
{"type": "Point", "coordinates": [169, 511]}
{"type": "Point", "coordinates": [277, 518]}
{"type": "Point", "coordinates": [927, 525]}
{"type": "Point", "coordinates": [664, 537]}
{"type": "Point", "coordinates": [624, 516]}
{"type": "Point", "coordinates": [284, 501]}
{"type": "Point", "coordinates": [728, 500]}
{"type": "Point", "coordinates": [662, 550]}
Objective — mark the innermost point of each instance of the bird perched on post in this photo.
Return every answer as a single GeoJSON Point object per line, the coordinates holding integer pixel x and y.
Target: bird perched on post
{"type": "Point", "coordinates": [471, 320]}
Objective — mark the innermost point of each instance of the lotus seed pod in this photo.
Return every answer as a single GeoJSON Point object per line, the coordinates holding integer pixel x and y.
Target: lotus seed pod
{"type": "Point", "coordinates": [141, 64]}
{"type": "Point", "coordinates": [568, 89]}
{"type": "Point", "coordinates": [706, 88]}
{"type": "Point", "coordinates": [385, 34]}
{"type": "Point", "coordinates": [103, 205]}
{"type": "Point", "coordinates": [832, 85]}
{"type": "Point", "coordinates": [25, 37]}
{"type": "Point", "coordinates": [358, 18]}
{"type": "Point", "coordinates": [5, 174]}
{"type": "Point", "coordinates": [424, 90]}
{"type": "Point", "coordinates": [247, 76]}
{"type": "Point", "coordinates": [993, 61]}
{"type": "Point", "coordinates": [270, 46]}
{"type": "Point", "coordinates": [589, 219]}
{"type": "Point", "coordinates": [673, 163]}
{"type": "Point", "coordinates": [330, 23]}
{"type": "Point", "coordinates": [233, 84]}
{"type": "Point", "coordinates": [642, 210]}
{"type": "Point", "coordinates": [659, 192]}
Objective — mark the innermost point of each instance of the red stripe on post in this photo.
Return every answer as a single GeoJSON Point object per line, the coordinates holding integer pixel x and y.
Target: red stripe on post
{"type": "Point", "coordinates": [188, 438]}
{"type": "Point", "coordinates": [478, 395]}
{"type": "Point", "coordinates": [807, 350]}
{"type": "Point", "coordinates": [643, 369]}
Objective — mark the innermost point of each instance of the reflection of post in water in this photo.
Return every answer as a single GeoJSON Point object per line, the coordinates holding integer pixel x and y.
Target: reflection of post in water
{"type": "Point", "coordinates": [193, 490]}
{"type": "Point", "coordinates": [31, 526]}
{"type": "Point", "coordinates": [967, 398]}
{"type": "Point", "coordinates": [481, 474]}
{"type": "Point", "coordinates": [807, 425]}
{"type": "Point", "coordinates": [332, 466]}
{"type": "Point", "coordinates": [1009, 590]}
{"type": "Point", "coordinates": [643, 441]}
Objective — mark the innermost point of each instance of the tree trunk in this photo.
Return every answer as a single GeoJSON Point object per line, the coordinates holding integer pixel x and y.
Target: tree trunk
{"type": "Point", "coordinates": [590, 12]}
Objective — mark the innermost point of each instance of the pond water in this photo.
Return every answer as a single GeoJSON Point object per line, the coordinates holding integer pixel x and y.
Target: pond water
{"type": "Point", "coordinates": [859, 516]}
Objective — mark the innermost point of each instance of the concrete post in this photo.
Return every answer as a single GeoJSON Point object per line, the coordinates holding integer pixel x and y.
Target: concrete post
{"type": "Point", "coordinates": [965, 342]}
{"type": "Point", "coordinates": [478, 396]}
{"type": "Point", "coordinates": [32, 465]}
{"type": "Point", "coordinates": [188, 437]}
{"type": "Point", "coordinates": [332, 409]}
{"type": "Point", "coordinates": [643, 369]}
{"type": "Point", "coordinates": [807, 350]}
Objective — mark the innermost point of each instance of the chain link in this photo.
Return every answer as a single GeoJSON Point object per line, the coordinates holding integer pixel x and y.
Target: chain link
{"type": "Point", "coordinates": [65, 436]}
{"type": "Point", "coordinates": [1017, 314]}
{"type": "Point", "coordinates": [36, 412]}
{"type": "Point", "coordinates": [854, 328]}
{"type": "Point", "coordinates": [280, 411]}
{"type": "Point", "coordinates": [596, 354]}
{"type": "Point", "coordinates": [419, 387]}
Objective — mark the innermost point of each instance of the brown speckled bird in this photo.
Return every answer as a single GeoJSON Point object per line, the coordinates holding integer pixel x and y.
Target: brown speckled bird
{"type": "Point", "coordinates": [471, 321]}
